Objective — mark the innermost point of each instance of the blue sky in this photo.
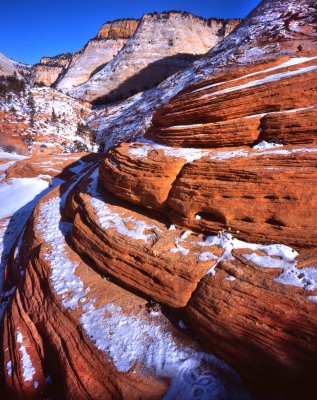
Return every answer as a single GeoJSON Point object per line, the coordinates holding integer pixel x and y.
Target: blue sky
{"type": "Point", "coordinates": [30, 29]}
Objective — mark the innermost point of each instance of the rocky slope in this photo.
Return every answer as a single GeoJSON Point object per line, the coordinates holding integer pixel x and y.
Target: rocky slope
{"type": "Point", "coordinates": [49, 69]}
{"type": "Point", "coordinates": [110, 39]}
{"type": "Point", "coordinates": [272, 30]}
{"type": "Point", "coordinates": [194, 246]}
{"type": "Point", "coordinates": [9, 67]}
{"type": "Point", "coordinates": [138, 350]}
{"type": "Point", "coordinates": [43, 120]}
{"type": "Point", "coordinates": [65, 71]}
{"type": "Point", "coordinates": [162, 45]}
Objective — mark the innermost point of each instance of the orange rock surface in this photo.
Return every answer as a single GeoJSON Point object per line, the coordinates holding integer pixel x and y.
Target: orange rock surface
{"type": "Point", "coordinates": [145, 181]}
{"type": "Point", "coordinates": [70, 331]}
{"type": "Point", "coordinates": [134, 246]}
{"type": "Point", "coordinates": [61, 343]}
{"type": "Point", "coordinates": [182, 239]}
{"type": "Point", "coordinates": [290, 127]}
{"type": "Point", "coordinates": [266, 329]}
{"type": "Point", "coordinates": [235, 132]}
{"type": "Point", "coordinates": [248, 95]}
{"type": "Point", "coordinates": [260, 195]}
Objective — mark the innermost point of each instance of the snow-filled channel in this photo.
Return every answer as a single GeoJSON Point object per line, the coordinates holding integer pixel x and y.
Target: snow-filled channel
{"type": "Point", "coordinates": [130, 339]}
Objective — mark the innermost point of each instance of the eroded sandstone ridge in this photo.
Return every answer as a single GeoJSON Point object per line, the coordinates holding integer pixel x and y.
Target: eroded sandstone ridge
{"type": "Point", "coordinates": [69, 318]}
{"type": "Point", "coordinates": [9, 67]}
{"type": "Point", "coordinates": [194, 246]}
{"type": "Point", "coordinates": [161, 45]}
{"type": "Point", "coordinates": [65, 71]}
{"type": "Point", "coordinates": [273, 29]}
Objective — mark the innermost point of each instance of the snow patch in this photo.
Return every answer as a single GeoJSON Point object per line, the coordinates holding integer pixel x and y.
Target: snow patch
{"type": "Point", "coordinates": [17, 192]}
{"type": "Point", "coordinates": [28, 370]}
{"type": "Point", "coordinates": [11, 156]}
{"type": "Point", "coordinates": [189, 154]}
{"type": "Point", "coordinates": [9, 368]}
{"type": "Point", "coordinates": [263, 145]}
{"type": "Point", "coordinates": [228, 243]}
{"type": "Point", "coordinates": [128, 339]}
{"type": "Point", "coordinates": [206, 256]}
{"type": "Point", "coordinates": [268, 79]}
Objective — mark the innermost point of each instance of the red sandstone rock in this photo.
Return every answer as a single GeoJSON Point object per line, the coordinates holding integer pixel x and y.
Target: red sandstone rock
{"type": "Point", "coordinates": [260, 193]}
{"type": "Point", "coordinates": [267, 330]}
{"type": "Point", "coordinates": [256, 306]}
{"type": "Point", "coordinates": [290, 127]}
{"type": "Point", "coordinates": [69, 332]}
{"type": "Point", "coordinates": [134, 246]}
{"type": "Point", "coordinates": [61, 343]}
{"type": "Point", "coordinates": [146, 181]}
{"type": "Point", "coordinates": [261, 196]}
{"type": "Point", "coordinates": [46, 167]}
{"type": "Point", "coordinates": [249, 95]}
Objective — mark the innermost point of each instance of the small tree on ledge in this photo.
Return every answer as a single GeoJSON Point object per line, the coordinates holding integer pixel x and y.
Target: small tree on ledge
{"type": "Point", "coordinates": [54, 116]}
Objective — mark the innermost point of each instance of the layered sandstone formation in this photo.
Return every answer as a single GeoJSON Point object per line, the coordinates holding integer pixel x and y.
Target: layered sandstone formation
{"type": "Point", "coordinates": [254, 306]}
{"type": "Point", "coordinates": [81, 321]}
{"type": "Point", "coordinates": [202, 233]}
{"type": "Point", "coordinates": [9, 67]}
{"type": "Point", "coordinates": [48, 69]}
{"type": "Point", "coordinates": [162, 45]}
{"type": "Point", "coordinates": [273, 29]}
{"type": "Point", "coordinates": [110, 39]}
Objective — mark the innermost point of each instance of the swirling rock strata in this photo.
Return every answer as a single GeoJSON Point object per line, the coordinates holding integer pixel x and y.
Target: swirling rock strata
{"type": "Point", "coordinates": [135, 247]}
{"type": "Point", "coordinates": [230, 306]}
{"type": "Point", "coordinates": [161, 45]}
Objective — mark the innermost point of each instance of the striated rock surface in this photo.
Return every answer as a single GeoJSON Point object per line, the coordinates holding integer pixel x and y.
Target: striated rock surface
{"type": "Point", "coordinates": [223, 101]}
{"type": "Point", "coordinates": [259, 192]}
{"type": "Point", "coordinates": [235, 303]}
{"type": "Point", "coordinates": [48, 69]}
{"type": "Point", "coordinates": [43, 120]}
{"type": "Point", "coordinates": [162, 45]}
{"type": "Point", "coordinates": [9, 67]}
{"type": "Point", "coordinates": [104, 227]}
{"type": "Point", "coordinates": [260, 195]}
{"type": "Point", "coordinates": [182, 238]}
{"type": "Point", "coordinates": [110, 39]}
{"type": "Point", "coordinates": [233, 132]}
{"type": "Point", "coordinates": [145, 180]}
{"type": "Point", "coordinates": [290, 127]}
{"type": "Point", "coordinates": [274, 29]}
{"type": "Point", "coordinates": [234, 155]}
{"type": "Point", "coordinates": [83, 335]}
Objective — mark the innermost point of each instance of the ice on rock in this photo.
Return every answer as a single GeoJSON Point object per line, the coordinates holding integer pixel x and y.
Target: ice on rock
{"type": "Point", "coordinates": [128, 339]}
